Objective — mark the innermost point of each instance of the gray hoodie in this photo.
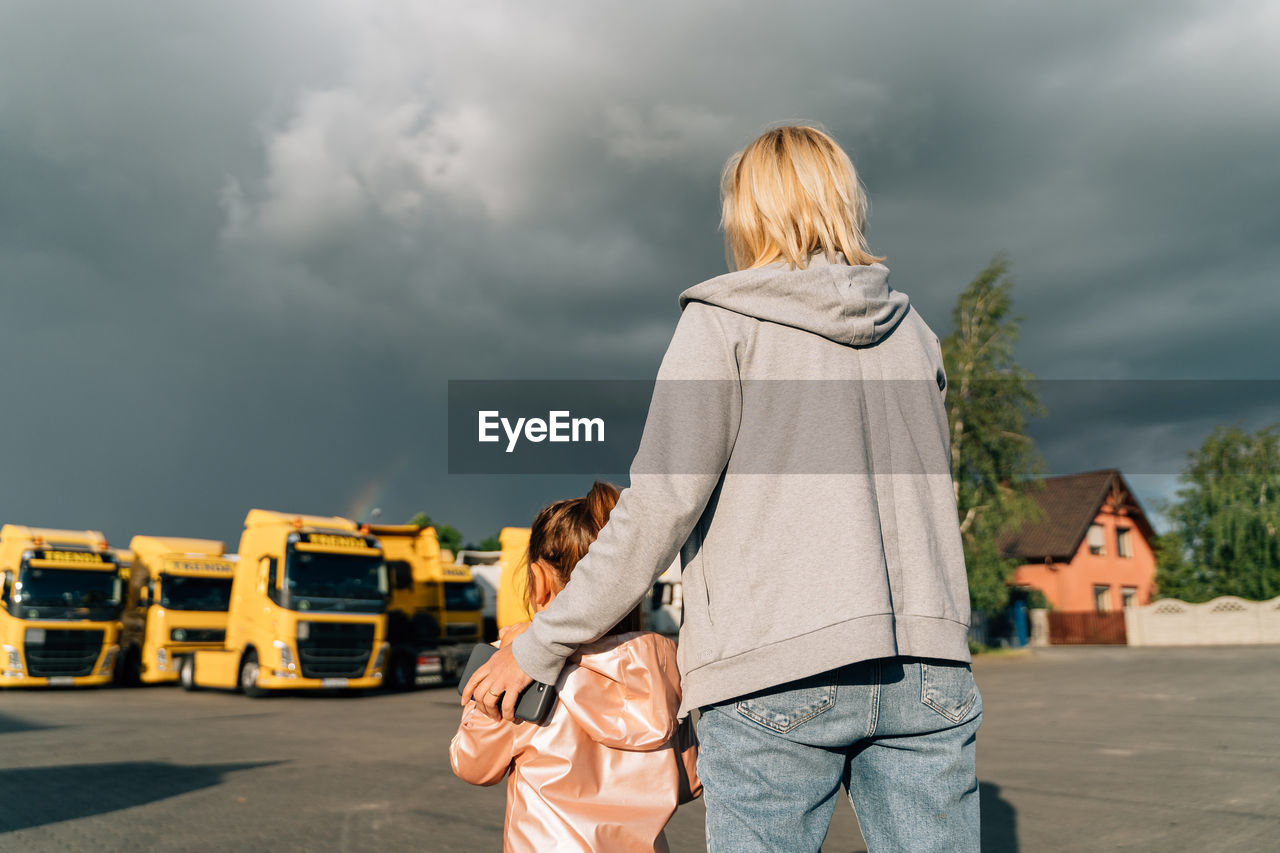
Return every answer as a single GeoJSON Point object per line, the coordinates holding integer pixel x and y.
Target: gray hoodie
{"type": "Point", "coordinates": [796, 455]}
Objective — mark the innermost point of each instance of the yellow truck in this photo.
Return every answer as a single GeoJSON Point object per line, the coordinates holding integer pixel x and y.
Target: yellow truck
{"type": "Point", "coordinates": [511, 601]}
{"type": "Point", "coordinates": [60, 601]}
{"type": "Point", "coordinates": [435, 607]}
{"type": "Point", "coordinates": [179, 592]}
{"type": "Point", "coordinates": [308, 609]}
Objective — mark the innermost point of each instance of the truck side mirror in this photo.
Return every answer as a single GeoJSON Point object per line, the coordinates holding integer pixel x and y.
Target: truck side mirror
{"type": "Point", "coordinates": [401, 574]}
{"type": "Point", "coordinates": [144, 596]}
{"type": "Point", "coordinates": [5, 588]}
{"type": "Point", "coordinates": [267, 578]}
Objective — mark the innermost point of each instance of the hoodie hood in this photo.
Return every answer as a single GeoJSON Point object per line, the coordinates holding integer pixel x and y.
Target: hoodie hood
{"type": "Point", "coordinates": [852, 305]}
{"type": "Point", "coordinates": [623, 691]}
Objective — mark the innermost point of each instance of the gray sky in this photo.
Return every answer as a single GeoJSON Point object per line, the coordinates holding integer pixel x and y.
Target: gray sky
{"type": "Point", "coordinates": [244, 246]}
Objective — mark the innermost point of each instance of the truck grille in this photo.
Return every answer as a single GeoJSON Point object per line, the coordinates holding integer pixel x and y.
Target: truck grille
{"type": "Point", "coordinates": [64, 652]}
{"type": "Point", "coordinates": [461, 629]}
{"type": "Point", "coordinates": [335, 649]}
{"type": "Point", "coordinates": [198, 635]}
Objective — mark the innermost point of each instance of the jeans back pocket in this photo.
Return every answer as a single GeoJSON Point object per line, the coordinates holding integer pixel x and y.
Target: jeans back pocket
{"type": "Point", "coordinates": [786, 706]}
{"type": "Point", "coordinates": [948, 688]}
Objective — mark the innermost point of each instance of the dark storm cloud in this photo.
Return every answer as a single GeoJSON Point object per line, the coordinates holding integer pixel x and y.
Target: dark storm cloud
{"type": "Point", "coordinates": [243, 248]}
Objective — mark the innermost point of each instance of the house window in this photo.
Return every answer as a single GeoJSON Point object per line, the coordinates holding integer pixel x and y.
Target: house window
{"type": "Point", "coordinates": [1129, 596]}
{"type": "Point", "coordinates": [1102, 598]}
{"type": "Point", "coordinates": [1097, 541]}
{"type": "Point", "coordinates": [1124, 542]}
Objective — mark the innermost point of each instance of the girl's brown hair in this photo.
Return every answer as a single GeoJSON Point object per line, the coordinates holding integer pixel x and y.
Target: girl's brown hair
{"type": "Point", "coordinates": [561, 535]}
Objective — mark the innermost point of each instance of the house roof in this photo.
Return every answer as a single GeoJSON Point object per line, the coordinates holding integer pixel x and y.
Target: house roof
{"type": "Point", "coordinates": [1069, 505]}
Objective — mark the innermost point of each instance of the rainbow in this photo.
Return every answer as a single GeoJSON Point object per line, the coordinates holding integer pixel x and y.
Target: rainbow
{"type": "Point", "coordinates": [373, 492]}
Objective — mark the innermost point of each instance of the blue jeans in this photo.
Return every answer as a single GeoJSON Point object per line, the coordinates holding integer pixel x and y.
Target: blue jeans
{"type": "Point", "coordinates": [898, 733]}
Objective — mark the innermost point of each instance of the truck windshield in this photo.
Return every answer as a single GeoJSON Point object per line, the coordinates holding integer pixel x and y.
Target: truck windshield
{"type": "Point", "coordinates": [324, 581]}
{"type": "Point", "coordinates": [463, 596]}
{"type": "Point", "coordinates": [67, 594]}
{"type": "Point", "coordinates": [182, 593]}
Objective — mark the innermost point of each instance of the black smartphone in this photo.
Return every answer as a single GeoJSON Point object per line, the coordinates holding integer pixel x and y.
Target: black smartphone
{"type": "Point", "coordinates": [535, 700]}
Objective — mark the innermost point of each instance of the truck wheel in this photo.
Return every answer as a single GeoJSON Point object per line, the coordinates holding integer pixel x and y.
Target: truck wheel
{"type": "Point", "coordinates": [130, 672]}
{"type": "Point", "coordinates": [187, 673]}
{"type": "Point", "coordinates": [404, 671]}
{"type": "Point", "coordinates": [249, 676]}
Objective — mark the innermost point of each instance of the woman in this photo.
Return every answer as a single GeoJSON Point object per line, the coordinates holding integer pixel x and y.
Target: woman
{"type": "Point", "coordinates": [796, 455]}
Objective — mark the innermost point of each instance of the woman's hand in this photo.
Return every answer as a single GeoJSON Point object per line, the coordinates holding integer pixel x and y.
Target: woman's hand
{"type": "Point", "coordinates": [496, 686]}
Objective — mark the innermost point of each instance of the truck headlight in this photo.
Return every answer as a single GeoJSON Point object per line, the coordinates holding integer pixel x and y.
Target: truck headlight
{"type": "Point", "coordinates": [286, 655]}
{"type": "Point", "coordinates": [15, 660]}
{"type": "Point", "coordinates": [108, 661]}
{"type": "Point", "coordinates": [162, 659]}
{"type": "Point", "coordinates": [381, 659]}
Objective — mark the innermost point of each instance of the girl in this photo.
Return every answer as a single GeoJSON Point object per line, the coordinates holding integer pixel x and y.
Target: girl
{"type": "Point", "coordinates": [607, 767]}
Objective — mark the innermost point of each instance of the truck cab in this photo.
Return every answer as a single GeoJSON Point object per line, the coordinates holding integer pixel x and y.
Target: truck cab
{"type": "Point", "coordinates": [512, 607]}
{"type": "Point", "coordinates": [308, 609]}
{"type": "Point", "coordinates": [434, 603]}
{"type": "Point", "coordinates": [666, 603]}
{"type": "Point", "coordinates": [61, 594]}
{"type": "Point", "coordinates": [486, 571]}
{"type": "Point", "coordinates": [179, 593]}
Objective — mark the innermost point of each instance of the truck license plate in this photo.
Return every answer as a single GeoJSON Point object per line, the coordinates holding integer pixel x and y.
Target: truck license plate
{"type": "Point", "coordinates": [333, 682]}
{"type": "Point", "coordinates": [61, 681]}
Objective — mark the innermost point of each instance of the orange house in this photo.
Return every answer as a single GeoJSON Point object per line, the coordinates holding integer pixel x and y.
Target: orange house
{"type": "Point", "coordinates": [1091, 551]}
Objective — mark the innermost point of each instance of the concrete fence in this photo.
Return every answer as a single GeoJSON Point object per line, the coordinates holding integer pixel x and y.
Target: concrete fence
{"type": "Point", "coordinates": [1226, 620]}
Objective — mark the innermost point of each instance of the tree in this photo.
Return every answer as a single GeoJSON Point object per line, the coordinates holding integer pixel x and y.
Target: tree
{"type": "Point", "coordinates": [493, 543]}
{"type": "Point", "coordinates": [993, 462]}
{"type": "Point", "coordinates": [1224, 538]}
{"type": "Point", "coordinates": [448, 535]}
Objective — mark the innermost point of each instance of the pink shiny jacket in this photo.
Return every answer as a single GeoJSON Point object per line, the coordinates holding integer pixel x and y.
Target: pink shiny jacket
{"type": "Point", "coordinates": [607, 768]}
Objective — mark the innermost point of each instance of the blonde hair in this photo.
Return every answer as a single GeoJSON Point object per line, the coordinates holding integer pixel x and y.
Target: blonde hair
{"type": "Point", "coordinates": [792, 192]}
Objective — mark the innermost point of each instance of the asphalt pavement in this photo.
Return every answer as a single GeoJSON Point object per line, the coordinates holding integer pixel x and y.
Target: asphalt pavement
{"type": "Point", "coordinates": [1081, 749]}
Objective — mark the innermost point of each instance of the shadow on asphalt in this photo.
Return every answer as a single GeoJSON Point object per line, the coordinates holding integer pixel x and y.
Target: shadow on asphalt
{"type": "Point", "coordinates": [35, 796]}
{"type": "Point", "coordinates": [312, 694]}
{"type": "Point", "coordinates": [9, 725]}
{"type": "Point", "coordinates": [999, 821]}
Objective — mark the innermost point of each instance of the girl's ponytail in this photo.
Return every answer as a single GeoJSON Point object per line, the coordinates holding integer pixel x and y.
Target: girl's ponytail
{"type": "Point", "coordinates": [600, 501]}
{"type": "Point", "coordinates": [561, 535]}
